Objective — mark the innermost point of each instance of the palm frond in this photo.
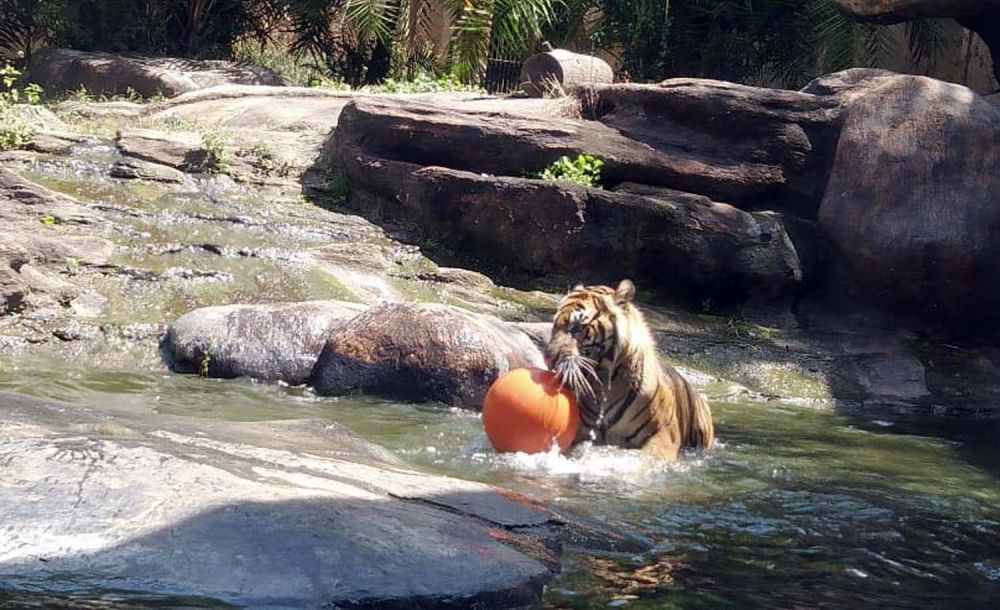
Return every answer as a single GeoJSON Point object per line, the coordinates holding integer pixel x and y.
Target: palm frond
{"type": "Point", "coordinates": [373, 19]}
{"type": "Point", "coordinates": [927, 39]}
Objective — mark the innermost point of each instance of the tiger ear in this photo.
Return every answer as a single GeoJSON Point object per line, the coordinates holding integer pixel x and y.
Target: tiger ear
{"type": "Point", "coordinates": [625, 292]}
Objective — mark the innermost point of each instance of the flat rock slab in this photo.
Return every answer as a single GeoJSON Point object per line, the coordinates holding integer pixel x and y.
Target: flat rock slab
{"type": "Point", "coordinates": [264, 515]}
{"type": "Point", "coordinates": [422, 353]}
{"type": "Point", "coordinates": [274, 342]}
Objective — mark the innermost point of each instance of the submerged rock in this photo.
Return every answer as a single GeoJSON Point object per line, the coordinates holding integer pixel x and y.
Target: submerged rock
{"type": "Point", "coordinates": [422, 353]}
{"type": "Point", "coordinates": [275, 342]}
{"type": "Point", "coordinates": [300, 514]}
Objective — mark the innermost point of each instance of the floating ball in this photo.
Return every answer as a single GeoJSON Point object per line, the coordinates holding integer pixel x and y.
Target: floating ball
{"type": "Point", "coordinates": [526, 409]}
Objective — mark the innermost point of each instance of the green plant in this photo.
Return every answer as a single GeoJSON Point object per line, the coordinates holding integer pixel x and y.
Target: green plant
{"type": "Point", "coordinates": [265, 160]}
{"type": "Point", "coordinates": [49, 220]}
{"type": "Point", "coordinates": [15, 128]}
{"type": "Point", "coordinates": [584, 170]}
{"type": "Point", "coordinates": [423, 83]}
{"type": "Point", "coordinates": [216, 155]}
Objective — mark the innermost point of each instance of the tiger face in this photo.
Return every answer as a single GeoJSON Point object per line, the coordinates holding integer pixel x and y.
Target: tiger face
{"type": "Point", "coordinates": [586, 333]}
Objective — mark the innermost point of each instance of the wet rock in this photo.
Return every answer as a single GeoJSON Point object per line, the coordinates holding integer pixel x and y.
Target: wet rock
{"type": "Point", "coordinates": [65, 70]}
{"type": "Point", "coordinates": [688, 244]}
{"type": "Point", "coordinates": [272, 514]}
{"type": "Point", "coordinates": [276, 342]}
{"type": "Point", "coordinates": [422, 353]}
{"type": "Point", "coordinates": [137, 169]}
{"type": "Point", "coordinates": [179, 150]}
{"type": "Point", "coordinates": [39, 244]}
{"type": "Point", "coordinates": [911, 203]}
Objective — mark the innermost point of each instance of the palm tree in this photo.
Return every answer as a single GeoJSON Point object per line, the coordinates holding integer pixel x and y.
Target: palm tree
{"type": "Point", "coordinates": [473, 29]}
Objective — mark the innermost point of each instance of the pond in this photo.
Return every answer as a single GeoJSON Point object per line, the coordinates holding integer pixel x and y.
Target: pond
{"type": "Point", "coordinates": [797, 507]}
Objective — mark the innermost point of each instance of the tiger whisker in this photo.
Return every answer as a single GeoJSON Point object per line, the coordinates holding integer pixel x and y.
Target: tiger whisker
{"type": "Point", "coordinates": [578, 374]}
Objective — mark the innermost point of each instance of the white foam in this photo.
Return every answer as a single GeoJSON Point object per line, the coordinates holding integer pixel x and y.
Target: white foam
{"type": "Point", "coordinates": [588, 463]}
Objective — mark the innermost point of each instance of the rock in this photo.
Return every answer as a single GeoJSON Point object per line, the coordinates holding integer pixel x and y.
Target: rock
{"type": "Point", "coordinates": [562, 70]}
{"type": "Point", "coordinates": [178, 150]}
{"type": "Point", "coordinates": [688, 245]}
{"type": "Point", "coordinates": [748, 146]}
{"type": "Point", "coordinates": [728, 142]}
{"type": "Point", "coordinates": [851, 82]}
{"type": "Point", "coordinates": [13, 289]}
{"type": "Point", "coordinates": [299, 514]}
{"type": "Point", "coordinates": [38, 242]}
{"type": "Point", "coordinates": [137, 169]}
{"type": "Point", "coordinates": [269, 342]}
{"type": "Point", "coordinates": [422, 353]}
{"type": "Point", "coordinates": [911, 205]}
{"type": "Point", "coordinates": [980, 16]}
{"type": "Point", "coordinates": [65, 70]}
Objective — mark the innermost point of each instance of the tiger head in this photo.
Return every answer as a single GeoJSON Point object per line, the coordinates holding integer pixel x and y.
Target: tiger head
{"type": "Point", "coordinates": [588, 332]}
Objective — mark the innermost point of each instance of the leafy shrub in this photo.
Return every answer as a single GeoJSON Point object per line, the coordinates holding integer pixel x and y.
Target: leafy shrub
{"type": "Point", "coordinates": [265, 160]}
{"type": "Point", "coordinates": [584, 170]}
{"type": "Point", "coordinates": [424, 83]}
{"type": "Point", "coordinates": [15, 129]}
{"type": "Point", "coordinates": [216, 156]}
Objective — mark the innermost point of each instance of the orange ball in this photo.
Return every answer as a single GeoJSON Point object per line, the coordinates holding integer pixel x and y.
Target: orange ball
{"type": "Point", "coordinates": [526, 409]}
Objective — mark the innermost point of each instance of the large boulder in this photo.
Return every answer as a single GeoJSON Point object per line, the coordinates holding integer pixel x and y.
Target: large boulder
{"type": "Point", "coordinates": [275, 342]}
{"type": "Point", "coordinates": [733, 143]}
{"type": "Point", "coordinates": [913, 202]}
{"type": "Point", "coordinates": [696, 248]}
{"type": "Point", "coordinates": [422, 353]}
{"type": "Point", "coordinates": [65, 70]}
{"type": "Point", "coordinates": [286, 514]}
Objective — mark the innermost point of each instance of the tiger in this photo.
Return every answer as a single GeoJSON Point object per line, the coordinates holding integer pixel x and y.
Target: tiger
{"type": "Point", "coordinates": [601, 349]}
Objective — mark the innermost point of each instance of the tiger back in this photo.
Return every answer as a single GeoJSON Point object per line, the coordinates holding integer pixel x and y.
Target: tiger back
{"type": "Point", "coordinates": [601, 348]}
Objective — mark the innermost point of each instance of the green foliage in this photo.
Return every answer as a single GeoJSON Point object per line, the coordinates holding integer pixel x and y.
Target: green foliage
{"type": "Point", "coordinates": [584, 170]}
{"type": "Point", "coordinates": [423, 83]}
{"type": "Point", "coordinates": [264, 159]}
{"type": "Point", "coordinates": [82, 94]}
{"type": "Point", "coordinates": [15, 129]}
{"type": "Point", "coordinates": [216, 155]}
{"type": "Point", "coordinates": [49, 220]}
{"type": "Point", "coordinates": [767, 42]}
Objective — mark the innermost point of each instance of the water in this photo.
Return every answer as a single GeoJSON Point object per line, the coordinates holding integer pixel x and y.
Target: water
{"type": "Point", "coordinates": [797, 507]}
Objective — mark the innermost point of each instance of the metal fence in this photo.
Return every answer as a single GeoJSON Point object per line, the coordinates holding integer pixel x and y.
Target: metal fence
{"type": "Point", "coordinates": [503, 75]}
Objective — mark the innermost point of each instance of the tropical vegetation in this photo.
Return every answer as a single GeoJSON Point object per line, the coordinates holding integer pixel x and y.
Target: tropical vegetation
{"type": "Point", "coordinates": [325, 42]}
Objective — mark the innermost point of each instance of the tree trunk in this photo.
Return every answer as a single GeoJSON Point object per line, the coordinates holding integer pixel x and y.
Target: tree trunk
{"type": "Point", "coordinates": [562, 70]}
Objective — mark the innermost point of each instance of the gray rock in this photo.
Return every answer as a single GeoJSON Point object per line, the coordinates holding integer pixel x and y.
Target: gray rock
{"type": "Point", "coordinates": [137, 169]}
{"type": "Point", "coordinates": [911, 204]}
{"type": "Point", "coordinates": [65, 70]}
{"type": "Point", "coordinates": [729, 142]}
{"type": "Point", "coordinates": [179, 150]}
{"type": "Point", "coordinates": [264, 515]}
{"type": "Point", "coordinates": [422, 353]}
{"type": "Point", "coordinates": [688, 245]}
{"type": "Point", "coordinates": [269, 342]}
